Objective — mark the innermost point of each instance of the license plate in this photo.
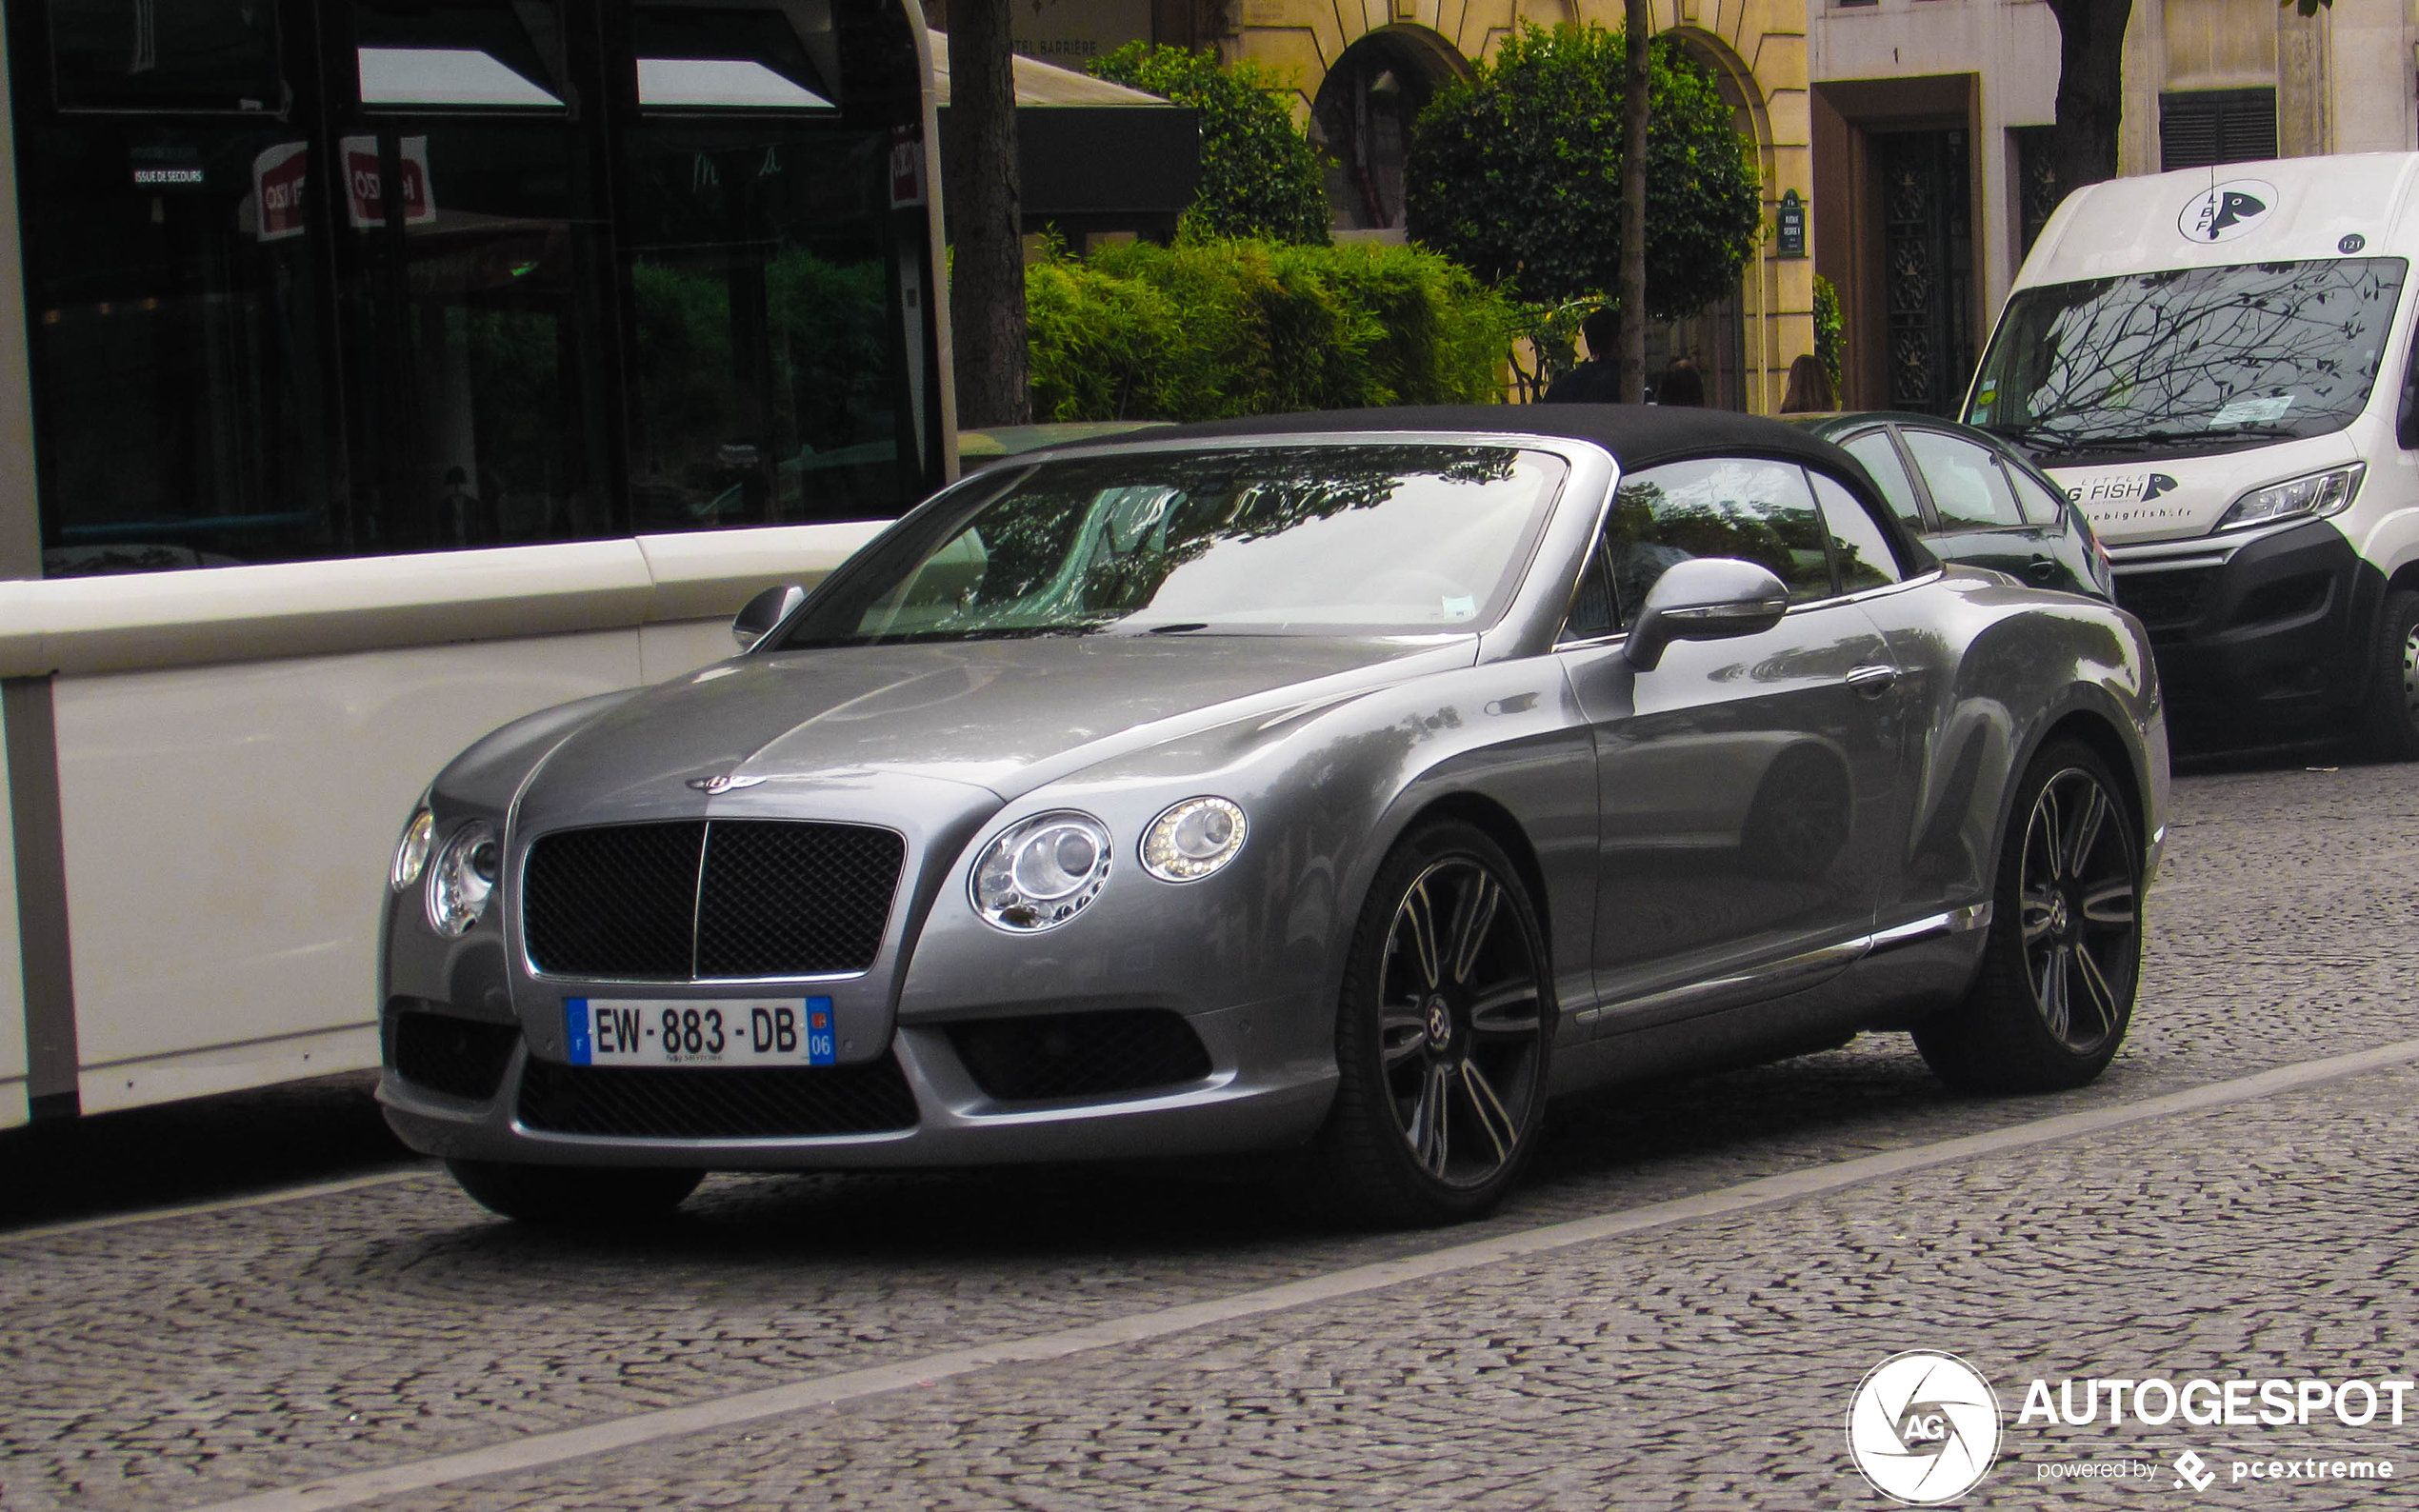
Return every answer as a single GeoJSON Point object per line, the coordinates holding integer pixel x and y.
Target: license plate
{"type": "Point", "coordinates": [725, 1032]}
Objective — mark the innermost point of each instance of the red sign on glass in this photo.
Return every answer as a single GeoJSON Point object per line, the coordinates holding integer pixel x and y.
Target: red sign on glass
{"type": "Point", "coordinates": [906, 166]}
{"type": "Point", "coordinates": [367, 194]}
{"type": "Point", "coordinates": [279, 177]}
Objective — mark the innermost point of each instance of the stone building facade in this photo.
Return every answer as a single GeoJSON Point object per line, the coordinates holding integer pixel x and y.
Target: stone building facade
{"type": "Point", "coordinates": [1363, 68]}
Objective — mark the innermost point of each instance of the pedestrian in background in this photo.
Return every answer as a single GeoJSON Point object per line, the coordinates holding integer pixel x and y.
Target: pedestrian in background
{"type": "Point", "coordinates": [1811, 391]}
{"type": "Point", "coordinates": [1681, 385]}
{"type": "Point", "coordinates": [1597, 381]}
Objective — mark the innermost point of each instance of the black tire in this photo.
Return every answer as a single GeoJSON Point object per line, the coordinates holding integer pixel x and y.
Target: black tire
{"type": "Point", "coordinates": [2389, 715]}
{"type": "Point", "coordinates": [574, 1195]}
{"type": "Point", "coordinates": [2062, 958]}
{"type": "Point", "coordinates": [1440, 1053]}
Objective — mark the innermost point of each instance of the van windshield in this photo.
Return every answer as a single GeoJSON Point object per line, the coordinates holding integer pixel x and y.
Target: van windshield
{"type": "Point", "coordinates": [2188, 361]}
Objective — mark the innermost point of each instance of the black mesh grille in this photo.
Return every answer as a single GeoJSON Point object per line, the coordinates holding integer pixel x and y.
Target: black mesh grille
{"type": "Point", "coordinates": [778, 898]}
{"type": "Point", "coordinates": [1070, 1055]}
{"type": "Point", "coordinates": [456, 1056]}
{"type": "Point", "coordinates": [2164, 601]}
{"type": "Point", "coordinates": [613, 901]}
{"type": "Point", "coordinates": [785, 899]}
{"type": "Point", "coordinates": [695, 1103]}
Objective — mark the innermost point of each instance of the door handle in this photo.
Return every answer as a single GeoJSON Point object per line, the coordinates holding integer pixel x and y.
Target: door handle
{"type": "Point", "coordinates": [2044, 567]}
{"type": "Point", "coordinates": [1872, 681]}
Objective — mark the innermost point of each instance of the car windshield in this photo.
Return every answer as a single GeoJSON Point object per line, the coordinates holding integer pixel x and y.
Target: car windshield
{"type": "Point", "coordinates": [1330, 539]}
{"type": "Point", "coordinates": [2188, 360]}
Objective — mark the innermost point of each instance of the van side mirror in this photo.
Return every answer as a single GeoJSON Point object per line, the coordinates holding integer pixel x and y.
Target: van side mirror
{"type": "Point", "coordinates": [1712, 598]}
{"type": "Point", "coordinates": [761, 613]}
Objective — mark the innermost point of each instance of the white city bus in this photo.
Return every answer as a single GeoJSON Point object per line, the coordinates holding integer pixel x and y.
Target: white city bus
{"type": "Point", "coordinates": [2218, 363]}
{"type": "Point", "coordinates": [372, 373]}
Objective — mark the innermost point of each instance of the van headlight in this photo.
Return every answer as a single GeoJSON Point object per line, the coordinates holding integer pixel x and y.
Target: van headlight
{"type": "Point", "coordinates": [2319, 495]}
{"type": "Point", "coordinates": [464, 878]}
{"type": "Point", "coordinates": [1192, 839]}
{"type": "Point", "coordinates": [412, 851]}
{"type": "Point", "coordinates": [1041, 873]}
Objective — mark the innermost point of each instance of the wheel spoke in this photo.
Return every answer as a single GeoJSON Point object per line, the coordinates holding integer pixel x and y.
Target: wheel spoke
{"type": "Point", "coordinates": [1471, 922]}
{"type": "Point", "coordinates": [2037, 909]}
{"type": "Point", "coordinates": [1509, 1007]}
{"type": "Point", "coordinates": [1402, 1029]}
{"type": "Point", "coordinates": [2096, 990]}
{"type": "Point", "coordinates": [1419, 917]}
{"type": "Point", "coordinates": [2050, 815]}
{"type": "Point", "coordinates": [2057, 1010]}
{"type": "Point", "coordinates": [2111, 902]}
{"type": "Point", "coordinates": [1427, 1131]}
{"type": "Point", "coordinates": [1492, 1120]}
{"type": "Point", "coordinates": [2086, 828]}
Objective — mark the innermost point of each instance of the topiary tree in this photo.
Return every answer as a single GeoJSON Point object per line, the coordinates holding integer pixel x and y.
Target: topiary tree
{"type": "Point", "coordinates": [1260, 177]}
{"type": "Point", "coordinates": [1515, 173]}
{"type": "Point", "coordinates": [1830, 334]}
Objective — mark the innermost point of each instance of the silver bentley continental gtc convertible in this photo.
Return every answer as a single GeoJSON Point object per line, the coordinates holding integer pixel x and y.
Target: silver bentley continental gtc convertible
{"type": "Point", "coordinates": [1343, 785]}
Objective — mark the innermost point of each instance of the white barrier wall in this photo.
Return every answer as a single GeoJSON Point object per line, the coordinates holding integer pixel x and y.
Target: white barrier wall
{"type": "Point", "coordinates": [227, 819]}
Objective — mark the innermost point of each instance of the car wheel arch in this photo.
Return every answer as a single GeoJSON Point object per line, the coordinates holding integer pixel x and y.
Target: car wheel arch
{"type": "Point", "coordinates": [2082, 720]}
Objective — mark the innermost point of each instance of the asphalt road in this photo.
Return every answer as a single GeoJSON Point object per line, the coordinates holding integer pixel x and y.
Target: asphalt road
{"type": "Point", "coordinates": [1701, 1353]}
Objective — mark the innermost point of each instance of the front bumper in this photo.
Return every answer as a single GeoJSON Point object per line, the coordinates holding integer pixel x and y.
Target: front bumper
{"type": "Point", "coordinates": [1245, 1103]}
{"type": "Point", "coordinates": [2258, 636]}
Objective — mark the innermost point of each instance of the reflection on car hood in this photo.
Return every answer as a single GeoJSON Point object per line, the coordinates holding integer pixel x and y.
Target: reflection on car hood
{"type": "Point", "coordinates": [991, 713]}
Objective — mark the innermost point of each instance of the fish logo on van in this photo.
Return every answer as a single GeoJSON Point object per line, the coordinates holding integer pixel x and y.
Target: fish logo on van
{"type": "Point", "coordinates": [2227, 211]}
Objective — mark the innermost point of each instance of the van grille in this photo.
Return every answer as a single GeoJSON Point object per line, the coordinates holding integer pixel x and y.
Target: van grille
{"type": "Point", "coordinates": [2166, 602]}
{"type": "Point", "coordinates": [708, 900]}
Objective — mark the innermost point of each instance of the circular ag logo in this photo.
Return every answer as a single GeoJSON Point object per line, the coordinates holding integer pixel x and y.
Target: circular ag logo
{"type": "Point", "coordinates": [2227, 211]}
{"type": "Point", "coordinates": [1923, 1427]}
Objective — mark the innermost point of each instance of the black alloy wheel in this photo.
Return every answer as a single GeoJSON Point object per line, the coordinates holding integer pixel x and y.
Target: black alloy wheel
{"type": "Point", "coordinates": [1443, 1035]}
{"type": "Point", "coordinates": [2079, 916]}
{"type": "Point", "coordinates": [2063, 958]}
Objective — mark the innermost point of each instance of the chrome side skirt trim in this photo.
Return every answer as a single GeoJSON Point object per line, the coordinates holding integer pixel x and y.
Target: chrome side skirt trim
{"type": "Point", "coordinates": [1957, 921]}
{"type": "Point", "coordinates": [1775, 978]}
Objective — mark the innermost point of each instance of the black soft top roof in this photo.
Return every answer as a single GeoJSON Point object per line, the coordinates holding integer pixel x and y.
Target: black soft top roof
{"type": "Point", "coordinates": [1637, 435]}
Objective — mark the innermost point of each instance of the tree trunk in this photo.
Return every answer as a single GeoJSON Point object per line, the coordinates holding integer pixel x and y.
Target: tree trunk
{"type": "Point", "coordinates": [987, 283]}
{"type": "Point", "coordinates": [1630, 298]}
{"type": "Point", "coordinates": [2083, 145]}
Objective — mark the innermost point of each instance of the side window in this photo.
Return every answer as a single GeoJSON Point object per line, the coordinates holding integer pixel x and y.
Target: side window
{"type": "Point", "coordinates": [1967, 489]}
{"type": "Point", "coordinates": [1735, 507]}
{"type": "Point", "coordinates": [1858, 546]}
{"type": "Point", "coordinates": [1880, 456]}
{"type": "Point", "coordinates": [2041, 505]}
{"type": "Point", "coordinates": [1591, 608]}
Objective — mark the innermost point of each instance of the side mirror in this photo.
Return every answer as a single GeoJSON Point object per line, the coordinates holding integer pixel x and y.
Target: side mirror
{"type": "Point", "coordinates": [764, 611]}
{"type": "Point", "coordinates": [1705, 599]}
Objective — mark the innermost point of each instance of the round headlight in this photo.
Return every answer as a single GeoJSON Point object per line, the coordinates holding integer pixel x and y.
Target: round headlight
{"type": "Point", "coordinates": [1192, 840]}
{"type": "Point", "coordinates": [412, 853]}
{"type": "Point", "coordinates": [464, 878]}
{"type": "Point", "coordinates": [1041, 873]}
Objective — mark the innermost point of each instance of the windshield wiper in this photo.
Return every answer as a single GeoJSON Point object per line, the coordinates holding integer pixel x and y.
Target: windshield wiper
{"type": "Point", "coordinates": [2124, 441]}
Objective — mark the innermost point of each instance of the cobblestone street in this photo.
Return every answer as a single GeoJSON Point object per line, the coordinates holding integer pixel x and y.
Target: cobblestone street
{"type": "Point", "coordinates": [1704, 1362]}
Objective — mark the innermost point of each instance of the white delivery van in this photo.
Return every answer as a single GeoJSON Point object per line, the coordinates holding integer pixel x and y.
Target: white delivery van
{"type": "Point", "coordinates": [2218, 365]}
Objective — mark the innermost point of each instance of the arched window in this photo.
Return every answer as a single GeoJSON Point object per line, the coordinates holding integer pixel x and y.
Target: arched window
{"type": "Point", "coordinates": [1361, 119]}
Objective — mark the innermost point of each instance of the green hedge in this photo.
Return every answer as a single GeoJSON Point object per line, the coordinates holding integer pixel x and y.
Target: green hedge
{"type": "Point", "coordinates": [1200, 331]}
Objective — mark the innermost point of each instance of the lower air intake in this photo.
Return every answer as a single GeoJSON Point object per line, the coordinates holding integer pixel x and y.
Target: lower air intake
{"type": "Point", "coordinates": [458, 1056]}
{"type": "Point", "coordinates": [1059, 1056]}
{"type": "Point", "coordinates": [707, 1103]}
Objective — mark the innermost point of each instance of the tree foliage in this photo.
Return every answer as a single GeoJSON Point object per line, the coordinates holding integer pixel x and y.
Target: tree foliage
{"type": "Point", "coordinates": [1211, 329]}
{"type": "Point", "coordinates": [1830, 332]}
{"type": "Point", "coordinates": [1515, 173]}
{"type": "Point", "coordinates": [1260, 177]}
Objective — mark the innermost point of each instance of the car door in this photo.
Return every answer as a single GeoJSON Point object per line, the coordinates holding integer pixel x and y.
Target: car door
{"type": "Point", "coordinates": [1978, 519]}
{"type": "Point", "coordinates": [1745, 786]}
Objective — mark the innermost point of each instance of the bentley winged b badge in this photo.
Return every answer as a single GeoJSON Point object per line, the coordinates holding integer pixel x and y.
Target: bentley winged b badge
{"type": "Point", "coordinates": [727, 782]}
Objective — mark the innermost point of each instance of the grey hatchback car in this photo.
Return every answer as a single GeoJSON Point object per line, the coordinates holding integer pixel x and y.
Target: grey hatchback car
{"type": "Point", "coordinates": [1972, 498]}
{"type": "Point", "coordinates": [1340, 786]}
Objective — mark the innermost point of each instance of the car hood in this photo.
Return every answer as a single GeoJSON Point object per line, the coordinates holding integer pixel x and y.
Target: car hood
{"type": "Point", "coordinates": [1003, 715]}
